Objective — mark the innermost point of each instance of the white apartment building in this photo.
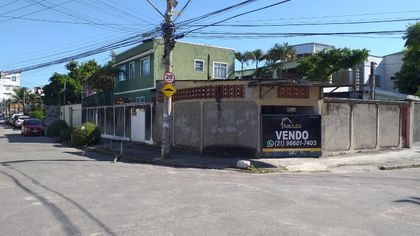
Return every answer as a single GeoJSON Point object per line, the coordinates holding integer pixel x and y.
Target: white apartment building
{"type": "Point", "coordinates": [8, 82]}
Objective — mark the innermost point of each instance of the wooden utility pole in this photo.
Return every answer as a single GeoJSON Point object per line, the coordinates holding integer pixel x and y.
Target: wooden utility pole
{"type": "Point", "coordinates": [372, 80]}
{"type": "Point", "coordinates": [169, 42]}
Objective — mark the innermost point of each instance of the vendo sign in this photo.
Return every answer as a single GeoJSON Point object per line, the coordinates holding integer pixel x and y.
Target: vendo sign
{"type": "Point", "coordinates": [291, 135]}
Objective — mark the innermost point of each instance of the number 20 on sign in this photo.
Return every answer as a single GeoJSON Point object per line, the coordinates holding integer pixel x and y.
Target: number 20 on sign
{"type": "Point", "coordinates": [169, 77]}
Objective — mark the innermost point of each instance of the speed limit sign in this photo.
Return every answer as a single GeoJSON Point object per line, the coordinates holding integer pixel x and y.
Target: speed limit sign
{"type": "Point", "coordinates": [169, 77]}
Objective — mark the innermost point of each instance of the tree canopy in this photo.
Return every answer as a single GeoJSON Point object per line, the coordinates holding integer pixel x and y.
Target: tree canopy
{"type": "Point", "coordinates": [23, 96]}
{"type": "Point", "coordinates": [320, 66]}
{"type": "Point", "coordinates": [103, 79]}
{"type": "Point", "coordinates": [54, 91]}
{"type": "Point", "coordinates": [82, 71]}
{"type": "Point", "coordinates": [278, 55]}
{"type": "Point", "coordinates": [69, 84]}
{"type": "Point", "coordinates": [408, 79]}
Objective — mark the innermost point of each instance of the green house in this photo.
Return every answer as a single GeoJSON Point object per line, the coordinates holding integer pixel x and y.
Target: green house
{"type": "Point", "coordinates": [141, 66]}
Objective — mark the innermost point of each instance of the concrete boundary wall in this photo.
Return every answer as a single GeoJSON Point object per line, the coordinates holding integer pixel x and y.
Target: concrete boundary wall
{"type": "Point", "coordinates": [416, 122]}
{"type": "Point", "coordinates": [212, 126]}
{"type": "Point", "coordinates": [350, 126]}
{"type": "Point", "coordinates": [72, 114]}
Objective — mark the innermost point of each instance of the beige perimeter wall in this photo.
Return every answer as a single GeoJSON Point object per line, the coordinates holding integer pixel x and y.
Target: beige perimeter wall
{"type": "Point", "coordinates": [352, 125]}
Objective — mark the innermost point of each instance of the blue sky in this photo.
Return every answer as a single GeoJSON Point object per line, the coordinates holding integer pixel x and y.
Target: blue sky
{"type": "Point", "coordinates": [35, 31]}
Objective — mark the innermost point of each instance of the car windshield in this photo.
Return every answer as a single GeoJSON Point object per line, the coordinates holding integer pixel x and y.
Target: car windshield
{"type": "Point", "coordinates": [32, 122]}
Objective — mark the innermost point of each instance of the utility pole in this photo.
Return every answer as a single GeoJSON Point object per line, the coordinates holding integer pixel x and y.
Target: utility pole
{"type": "Point", "coordinates": [64, 92]}
{"type": "Point", "coordinates": [169, 42]}
{"type": "Point", "coordinates": [372, 80]}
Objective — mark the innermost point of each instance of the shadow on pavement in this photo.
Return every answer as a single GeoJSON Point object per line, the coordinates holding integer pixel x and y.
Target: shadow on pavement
{"type": "Point", "coordinates": [90, 155]}
{"type": "Point", "coordinates": [18, 138]}
{"type": "Point", "coordinates": [5, 163]}
{"type": "Point", "coordinates": [58, 214]}
{"type": "Point", "coordinates": [413, 200]}
{"type": "Point", "coordinates": [69, 227]}
{"type": "Point", "coordinates": [143, 154]}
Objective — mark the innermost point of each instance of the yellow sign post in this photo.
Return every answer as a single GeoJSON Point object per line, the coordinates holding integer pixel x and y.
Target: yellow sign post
{"type": "Point", "coordinates": [169, 90]}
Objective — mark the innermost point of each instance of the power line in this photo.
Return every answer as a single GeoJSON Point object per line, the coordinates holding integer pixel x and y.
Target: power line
{"type": "Point", "coordinates": [291, 34]}
{"type": "Point", "coordinates": [151, 4]}
{"type": "Point", "coordinates": [61, 22]}
{"type": "Point", "coordinates": [328, 16]}
{"type": "Point", "coordinates": [238, 15]}
{"type": "Point", "coordinates": [72, 15]}
{"type": "Point", "coordinates": [119, 44]}
{"type": "Point", "coordinates": [117, 10]}
{"type": "Point", "coordinates": [183, 9]}
{"type": "Point", "coordinates": [315, 23]}
{"type": "Point", "coordinates": [7, 4]}
{"type": "Point", "coordinates": [24, 7]}
{"type": "Point", "coordinates": [214, 13]}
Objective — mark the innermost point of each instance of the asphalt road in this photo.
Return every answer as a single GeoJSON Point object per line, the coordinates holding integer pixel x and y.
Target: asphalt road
{"type": "Point", "coordinates": [49, 189]}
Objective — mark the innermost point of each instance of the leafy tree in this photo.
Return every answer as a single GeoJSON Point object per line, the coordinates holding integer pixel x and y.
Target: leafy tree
{"type": "Point", "coordinates": [278, 56]}
{"type": "Point", "coordinates": [104, 78]}
{"type": "Point", "coordinates": [256, 57]}
{"type": "Point", "coordinates": [320, 66]}
{"type": "Point", "coordinates": [54, 91]}
{"type": "Point", "coordinates": [37, 113]}
{"type": "Point", "coordinates": [70, 84]}
{"type": "Point", "coordinates": [23, 96]}
{"type": "Point", "coordinates": [243, 58]}
{"type": "Point", "coordinates": [7, 102]}
{"type": "Point", "coordinates": [408, 79]}
{"type": "Point", "coordinates": [82, 71]}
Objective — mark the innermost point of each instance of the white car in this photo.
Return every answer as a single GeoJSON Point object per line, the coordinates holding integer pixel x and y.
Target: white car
{"type": "Point", "coordinates": [19, 121]}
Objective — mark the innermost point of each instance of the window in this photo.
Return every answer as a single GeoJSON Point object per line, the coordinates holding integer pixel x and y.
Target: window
{"type": "Point", "coordinates": [220, 70]}
{"type": "Point", "coordinates": [13, 78]}
{"type": "Point", "coordinates": [392, 77]}
{"type": "Point", "coordinates": [131, 70]}
{"type": "Point", "coordinates": [199, 65]}
{"type": "Point", "coordinates": [141, 99]}
{"type": "Point", "coordinates": [145, 66]}
{"type": "Point", "coordinates": [123, 73]}
{"type": "Point", "coordinates": [377, 81]}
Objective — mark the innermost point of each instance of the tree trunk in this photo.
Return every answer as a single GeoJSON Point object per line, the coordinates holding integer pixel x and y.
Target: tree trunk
{"type": "Point", "coordinates": [242, 70]}
{"type": "Point", "coordinates": [281, 72]}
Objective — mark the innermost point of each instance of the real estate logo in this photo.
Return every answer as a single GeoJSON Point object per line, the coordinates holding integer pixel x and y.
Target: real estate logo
{"type": "Point", "coordinates": [286, 123]}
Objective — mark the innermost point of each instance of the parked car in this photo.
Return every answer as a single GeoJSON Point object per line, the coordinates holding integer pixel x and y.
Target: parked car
{"type": "Point", "coordinates": [19, 121]}
{"type": "Point", "coordinates": [32, 126]}
{"type": "Point", "coordinates": [13, 118]}
{"type": "Point", "coordinates": [2, 119]}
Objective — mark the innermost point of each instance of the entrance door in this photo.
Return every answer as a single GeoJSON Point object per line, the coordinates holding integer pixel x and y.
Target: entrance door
{"type": "Point", "coordinates": [138, 125]}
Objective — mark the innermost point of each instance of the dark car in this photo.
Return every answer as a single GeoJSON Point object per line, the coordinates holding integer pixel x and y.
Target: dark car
{"type": "Point", "coordinates": [32, 126]}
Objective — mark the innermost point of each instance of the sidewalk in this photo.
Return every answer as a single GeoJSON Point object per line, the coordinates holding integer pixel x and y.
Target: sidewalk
{"type": "Point", "coordinates": [386, 160]}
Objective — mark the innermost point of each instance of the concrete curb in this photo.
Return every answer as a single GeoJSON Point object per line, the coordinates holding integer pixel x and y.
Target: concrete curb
{"type": "Point", "coordinates": [305, 167]}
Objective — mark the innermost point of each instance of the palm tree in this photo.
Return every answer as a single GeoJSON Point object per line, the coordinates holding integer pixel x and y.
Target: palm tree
{"type": "Point", "coordinates": [278, 55]}
{"type": "Point", "coordinates": [8, 102]}
{"type": "Point", "coordinates": [21, 95]}
{"type": "Point", "coordinates": [256, 56]}
{"type": "Point", "coordinates": [243, 58]}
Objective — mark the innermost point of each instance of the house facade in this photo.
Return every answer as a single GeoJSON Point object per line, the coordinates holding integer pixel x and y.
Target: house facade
{"type": "Point", "coordinates": [141, 66]}
{"type": "Point", "coordinates": [8, 82]}
{"type": "Point", "coordinates": [385, 71]}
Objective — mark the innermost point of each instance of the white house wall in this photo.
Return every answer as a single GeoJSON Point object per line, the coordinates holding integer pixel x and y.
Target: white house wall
{"type": "Point", "coordinates": [392, 65]}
